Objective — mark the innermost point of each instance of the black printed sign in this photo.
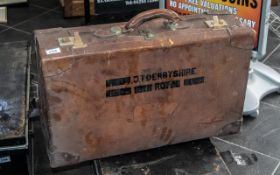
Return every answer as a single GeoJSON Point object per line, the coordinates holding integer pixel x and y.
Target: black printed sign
{"type": "Point", "coordinates": [152, 82]}
{"type": "Point", "coordinates": [122, 6]}
{"type": "Point", "coordinates": [118, 92]}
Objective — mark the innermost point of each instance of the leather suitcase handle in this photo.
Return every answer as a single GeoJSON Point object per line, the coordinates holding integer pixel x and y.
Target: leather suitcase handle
{"type": "Point", "coordinates": [149, 15]}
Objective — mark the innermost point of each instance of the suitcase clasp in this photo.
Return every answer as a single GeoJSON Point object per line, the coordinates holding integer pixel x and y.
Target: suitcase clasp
{"type": "Point", "coordinates": [216, 23]}
{"type": "Point", "coordinates": [78, 43]}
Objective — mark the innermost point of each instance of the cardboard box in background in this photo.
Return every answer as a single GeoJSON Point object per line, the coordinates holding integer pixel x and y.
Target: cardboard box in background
{"type": "Point", "coordinates": [75, 8]}
{"type": "Point", "coordinates": [274, 2]}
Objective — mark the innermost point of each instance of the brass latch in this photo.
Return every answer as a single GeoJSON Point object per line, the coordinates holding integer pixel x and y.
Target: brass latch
{"type": "Point", "coordinates": [66, 41]}
{"type": "Point", "coordinates": [78, 43]}
{"type": "Point", "coordinates": [74, 41]}
{"type": "Point", "coordinates": [216, 23]}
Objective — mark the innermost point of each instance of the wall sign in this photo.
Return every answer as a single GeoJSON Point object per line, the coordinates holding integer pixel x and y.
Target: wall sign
{"type": "Point", "coordinates": [248, 11]}
{"type": "Point", "coordinates": [122, 6]}
{"type": "Point", "coordinates": [5, 159]}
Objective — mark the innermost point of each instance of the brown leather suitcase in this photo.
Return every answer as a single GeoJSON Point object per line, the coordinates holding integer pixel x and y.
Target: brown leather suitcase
{"type": "Point", "coordinates": [117, 88]}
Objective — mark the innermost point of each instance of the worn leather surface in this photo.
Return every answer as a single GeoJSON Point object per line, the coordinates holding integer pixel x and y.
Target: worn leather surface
{"type": "Point", "coordinates": [126, 93]}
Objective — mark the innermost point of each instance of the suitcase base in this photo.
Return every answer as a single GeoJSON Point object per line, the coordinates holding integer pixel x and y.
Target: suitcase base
{"type": "Point", "coordinates": [196, 157]}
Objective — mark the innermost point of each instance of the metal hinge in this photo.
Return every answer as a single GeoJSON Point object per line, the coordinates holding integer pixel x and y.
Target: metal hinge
{"type": "Point", "coordinates": [147, 34]}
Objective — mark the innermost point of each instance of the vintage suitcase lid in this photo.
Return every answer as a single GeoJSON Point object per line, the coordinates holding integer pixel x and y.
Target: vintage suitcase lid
{"type": "Point", "coordinates": [142, 32]}
{"type": "Point", "coordinates": [13, 88]}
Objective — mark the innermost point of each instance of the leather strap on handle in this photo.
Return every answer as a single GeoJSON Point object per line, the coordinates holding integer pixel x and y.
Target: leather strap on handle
{"type": "Point", "coordinates": [143, 17]}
